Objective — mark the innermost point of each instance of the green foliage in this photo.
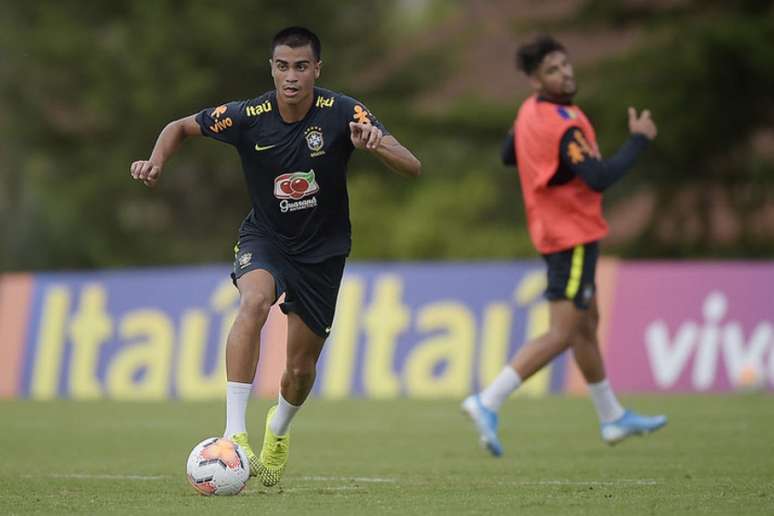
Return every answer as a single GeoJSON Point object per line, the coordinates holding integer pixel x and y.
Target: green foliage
{"type": "Point", "coordinates": [708, 85]}
{"type": "Point", "coordinates": [85, 87]}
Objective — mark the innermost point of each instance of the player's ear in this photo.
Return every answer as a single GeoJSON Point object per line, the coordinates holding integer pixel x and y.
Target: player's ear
{"type": "Point", "coordinates": [271, 66]}
{"type": "Point", "coordinates": [317, 67]}
{"type": "Point", "coordinates": [534, 81]}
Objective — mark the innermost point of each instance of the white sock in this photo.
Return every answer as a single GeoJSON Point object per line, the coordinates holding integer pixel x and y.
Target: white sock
{"type": "Point", "coordinates": [608, 408]}
{"type": "Point", "coordinates": [498, 391]}
{"type": "Point", "coordinates": [237, 395]}
{"type": "Point", "coordinates": [282, 416]}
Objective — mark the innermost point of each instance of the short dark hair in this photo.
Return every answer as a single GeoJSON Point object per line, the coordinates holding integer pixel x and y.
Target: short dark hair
{"type": "Point", "coordinates": [530, 55]}
{"type": "Point", "coordinates": [296, 37]}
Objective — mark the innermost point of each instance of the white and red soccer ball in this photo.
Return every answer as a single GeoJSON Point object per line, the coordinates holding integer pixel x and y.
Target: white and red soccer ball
{"type": "Point", "coordinates": [218, 466]}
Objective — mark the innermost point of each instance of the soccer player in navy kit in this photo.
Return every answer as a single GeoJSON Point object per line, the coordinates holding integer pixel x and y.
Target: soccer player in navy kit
{"type": "Point", "coordinates": [294, 143]}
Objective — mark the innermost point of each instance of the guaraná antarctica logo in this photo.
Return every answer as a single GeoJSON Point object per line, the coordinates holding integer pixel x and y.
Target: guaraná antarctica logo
{"type": "Point", "coordinates": [296, 186]}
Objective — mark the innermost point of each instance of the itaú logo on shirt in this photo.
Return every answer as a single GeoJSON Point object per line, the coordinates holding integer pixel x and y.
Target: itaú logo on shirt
{"type": "Point", "coordinates": [294, 186]}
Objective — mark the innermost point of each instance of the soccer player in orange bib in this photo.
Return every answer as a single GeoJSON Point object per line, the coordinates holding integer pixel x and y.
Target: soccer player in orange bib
{"type": "Point", "coordinates": [562, 177]}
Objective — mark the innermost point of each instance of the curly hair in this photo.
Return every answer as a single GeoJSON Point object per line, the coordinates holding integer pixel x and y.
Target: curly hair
{"type": "Point", "coordinates": [530, 55]}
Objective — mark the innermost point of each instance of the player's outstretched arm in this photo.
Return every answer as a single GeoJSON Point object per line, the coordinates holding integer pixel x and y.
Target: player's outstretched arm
{"type": "Point", "coordinates": [148, 171]}
{"type": "Point", "coordinates": [582, 160]}
{"type": "Point", "coordinates": [389, 151]}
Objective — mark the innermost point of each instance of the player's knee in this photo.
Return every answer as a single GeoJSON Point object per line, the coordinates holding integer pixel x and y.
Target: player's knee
{"type": "Point", "coordinates": [559, 337]}
{"type": "Point", "coordinates": [302, 371]}
{"type": "Point", "coordinates": [255, 305]}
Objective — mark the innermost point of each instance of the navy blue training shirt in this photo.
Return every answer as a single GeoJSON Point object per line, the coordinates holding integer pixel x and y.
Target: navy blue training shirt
{"type": "Point", "coordinates": [295, 172]}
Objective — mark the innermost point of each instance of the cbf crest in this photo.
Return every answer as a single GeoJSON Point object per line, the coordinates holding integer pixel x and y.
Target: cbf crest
{"type": "Point", "coordinates": [314, 140]}
{"type": "Point", "coordinates": [244, 260]}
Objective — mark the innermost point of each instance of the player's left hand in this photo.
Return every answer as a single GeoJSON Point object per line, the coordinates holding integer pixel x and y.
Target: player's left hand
{"type": "Point", "coordinates": [642, 124]}
{"type": "Point", "coordinates": [365, 136]}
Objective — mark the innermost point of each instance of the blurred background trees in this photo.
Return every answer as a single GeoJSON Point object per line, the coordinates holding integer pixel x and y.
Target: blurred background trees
{"type": "Point", "coordinates": [85, 87]}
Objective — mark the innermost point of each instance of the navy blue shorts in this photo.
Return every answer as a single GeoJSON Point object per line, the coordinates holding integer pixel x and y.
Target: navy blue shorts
{"type": "Point", "coordinates": [571, 274]}
{"type": "Point", "coordinates": [310, 289]}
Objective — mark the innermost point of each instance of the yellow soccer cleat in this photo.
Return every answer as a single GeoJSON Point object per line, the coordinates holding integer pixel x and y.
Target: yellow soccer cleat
{"type": "Point", "coordinates": [274, 454]}
{"type": "Point", "coordinates": [244, 443]}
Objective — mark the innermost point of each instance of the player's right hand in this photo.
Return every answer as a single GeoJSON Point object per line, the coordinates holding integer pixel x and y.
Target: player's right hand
{"type": "Point", "coordinates": [145, 171]}
{"type": "Point", "coordinates": [642, 124]}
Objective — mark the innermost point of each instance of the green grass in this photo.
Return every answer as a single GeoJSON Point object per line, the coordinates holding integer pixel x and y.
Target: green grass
{"type": "Point", "coordinates": [396, 457]}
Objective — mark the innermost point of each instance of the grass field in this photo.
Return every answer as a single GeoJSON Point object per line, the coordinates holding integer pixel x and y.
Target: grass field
{"type": "Point", "coordinates": [716, 456]}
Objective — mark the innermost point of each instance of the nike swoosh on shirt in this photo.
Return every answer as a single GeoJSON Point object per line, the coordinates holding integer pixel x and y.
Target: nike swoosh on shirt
{"type": "Point", "coordinates": [259, 148]}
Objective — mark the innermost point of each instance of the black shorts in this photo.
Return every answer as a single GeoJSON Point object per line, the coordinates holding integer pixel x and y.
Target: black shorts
{"type": "Point", "coordinates": [571, 274]}
{"type": "Point", "coordinates": [310, 289]}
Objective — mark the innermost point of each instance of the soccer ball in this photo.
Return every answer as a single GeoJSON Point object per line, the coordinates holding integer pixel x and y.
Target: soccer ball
{"type": "Point", "coordinates": [218, 466]}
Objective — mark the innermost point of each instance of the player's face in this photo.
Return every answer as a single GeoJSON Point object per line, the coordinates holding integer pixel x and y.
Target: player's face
{"type": "Point", "coordinates": [554, 77]}
{"type": "Point", "coordinates": [294, 71]}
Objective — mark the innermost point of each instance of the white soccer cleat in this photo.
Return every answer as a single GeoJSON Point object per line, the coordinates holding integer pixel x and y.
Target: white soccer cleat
{"type": "Point", "coordinates": [486, 423]}
{"type": "Point", "coordinates": [629, 424]}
